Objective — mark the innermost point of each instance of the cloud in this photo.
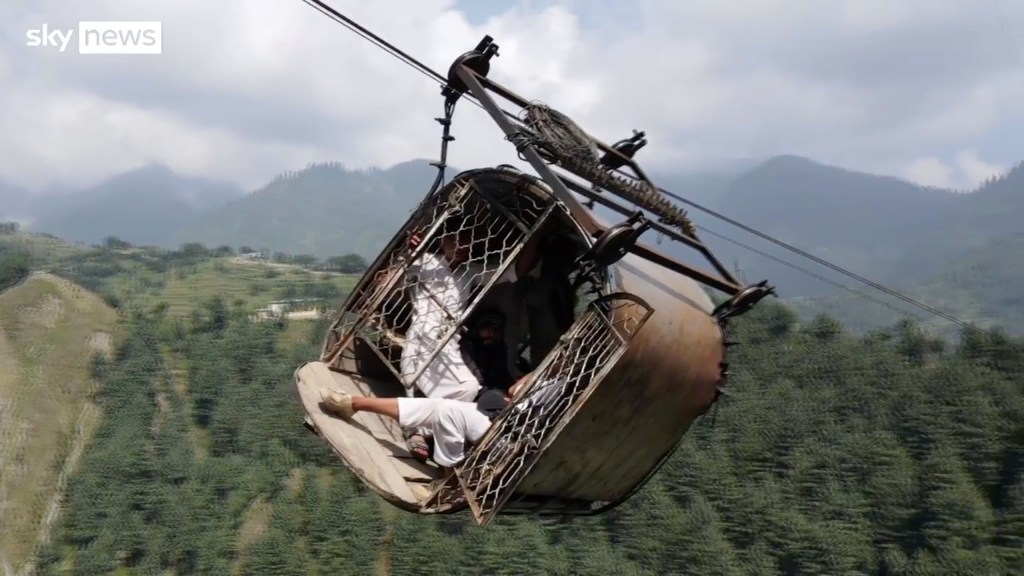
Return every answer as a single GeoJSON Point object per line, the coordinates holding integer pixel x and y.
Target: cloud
{"type": "Point", "coordinates": [974, 168]}
{"type": "Point", "coordinates": [247, 88]}
{"type": "Point", "coordinates": [75, 135]}
{"type": "Point", "coordinates": [963, 173]}
{"type": "Point", "coordinates": [929, 171]}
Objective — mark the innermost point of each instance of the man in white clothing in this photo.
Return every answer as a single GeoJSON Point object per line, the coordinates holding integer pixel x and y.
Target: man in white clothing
{"type": "Point", "coordinates": [454, 424]}
{"type": "Point", "coordinates": [444, 286]}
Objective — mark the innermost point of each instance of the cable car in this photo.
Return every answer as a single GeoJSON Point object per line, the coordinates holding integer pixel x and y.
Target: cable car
{"type": "Point", "coordinates": [630, 335]}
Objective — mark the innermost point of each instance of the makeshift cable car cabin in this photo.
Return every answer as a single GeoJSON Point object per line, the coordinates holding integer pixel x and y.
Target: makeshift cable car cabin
{"type": "Point", "coordinates": [622, 345]}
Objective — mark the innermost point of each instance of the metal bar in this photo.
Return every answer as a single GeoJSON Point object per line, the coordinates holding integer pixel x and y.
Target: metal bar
{"type": "Point", "coordinates": [608, 203]}
{"type": "Point", "coordinates": [470, 500]}
{"type": "Point", "coordinates": [528, 150]}
{"type": "Point", "coordinates": [500, 208]}
{"type": "Point", "coordinates": [346, 339]}
{"type": "Point", "coordinates": [443, 341]}
{"type": "Point", "coordinates": [500, 90]}
{"type": "Point", "coordinates": [694, 243]}
{"type": "Point", "coordinates": [446, 137]}
{"type": "Point", "coordinates": [698, 275]}
{"type": "Point", "coordinates": [477, 85]}
{"type": "Point", "coordinates": [376, 349]}
{"type": "Point", "coordinates": [523, 103]}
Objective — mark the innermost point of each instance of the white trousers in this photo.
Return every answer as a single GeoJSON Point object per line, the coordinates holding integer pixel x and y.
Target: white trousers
{"type": "Point", "coordinates": [451, 422]}
{"type": "Point", "coordinates": [446, 377]}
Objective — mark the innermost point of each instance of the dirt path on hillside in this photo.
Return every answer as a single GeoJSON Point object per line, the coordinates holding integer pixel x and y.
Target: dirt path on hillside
{"type": "Point", "coordinates": [85, 417]}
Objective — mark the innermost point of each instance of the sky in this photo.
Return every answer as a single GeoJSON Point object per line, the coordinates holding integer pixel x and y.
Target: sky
{"type": "Point", "coordinates": [927, 90]}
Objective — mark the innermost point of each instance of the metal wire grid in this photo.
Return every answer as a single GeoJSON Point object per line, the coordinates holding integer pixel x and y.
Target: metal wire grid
{"type": "Point", "coordinates": [556, 390]}
{"type": "Point", "coordinates": [418, 300]}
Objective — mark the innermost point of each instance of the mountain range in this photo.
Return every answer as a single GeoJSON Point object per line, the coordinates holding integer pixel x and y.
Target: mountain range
{"type": "Point", "coordinates": [884, 228]}
{"type": "Point", "coordinates": [951, 246]}
{"type": "Point", "coordinates": [147, 206]}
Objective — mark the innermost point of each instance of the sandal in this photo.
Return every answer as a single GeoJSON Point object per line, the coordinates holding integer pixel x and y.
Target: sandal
{"type": "Point", "coordinates": [418, 447]}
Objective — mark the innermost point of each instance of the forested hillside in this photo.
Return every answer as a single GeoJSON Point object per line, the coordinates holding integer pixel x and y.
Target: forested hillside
{"type": "Point", "coordinates": [146, 206]}
{"type": "Point", "coordinates": [883, 228]}
{"type": "Point", "coordinates": [984, 285]}
{"type": "Point", "coordinates": [49, 331]}
{"type": "Point", "coordinates": [323, 210]}
{"type": "Point", "coordinates": [890, 454]}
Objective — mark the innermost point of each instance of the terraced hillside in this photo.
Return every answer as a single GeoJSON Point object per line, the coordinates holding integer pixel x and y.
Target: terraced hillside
{"type": "Point", "coordinates": [43, 248]}
{"type": "Point", "coordinates": [49, 331]}
{"type": "Point", "coordinates": [248, 284]}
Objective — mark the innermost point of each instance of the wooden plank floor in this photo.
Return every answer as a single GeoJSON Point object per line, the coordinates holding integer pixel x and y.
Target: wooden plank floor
{"type": "Point", "coordinates": [370, 445]}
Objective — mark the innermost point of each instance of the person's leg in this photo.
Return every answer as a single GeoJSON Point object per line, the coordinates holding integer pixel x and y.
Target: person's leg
{"type": "Point", "coordinates": [448, 376]}
{"type": "Point", "coordinates": [451, 422]}
{"type": "Point", "coordinates": [419, 412]}
{"type": "Point", "coordinates": [454, 416]}
{"type": "Point", "coordinates": [416, 439]}
{"type": "Point", "coordinates": [384, 406]}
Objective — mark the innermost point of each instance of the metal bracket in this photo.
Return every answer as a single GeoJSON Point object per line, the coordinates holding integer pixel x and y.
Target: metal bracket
{"type": "Point", "coordinates": [624, 149]}
{"type": "Point", "coordinates": [478, 60]}
{"type": "Point", "coordinates": [617, 241]}
{"type": "Point", "coordinates": [743, 301]}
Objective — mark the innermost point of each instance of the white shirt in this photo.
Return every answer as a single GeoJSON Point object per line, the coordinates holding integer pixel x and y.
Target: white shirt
{"type": "Point", "coordinates": [441, 291]}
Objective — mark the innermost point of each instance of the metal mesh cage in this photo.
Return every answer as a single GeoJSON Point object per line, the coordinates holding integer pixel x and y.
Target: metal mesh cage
{"type": "Point", "coordinates": [417, 300]}
{"type": "Point", "coordinates": [488, 477]}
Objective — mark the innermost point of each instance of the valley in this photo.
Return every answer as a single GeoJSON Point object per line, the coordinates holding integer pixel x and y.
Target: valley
{"type": "Point", "coordinates": [148, 425]}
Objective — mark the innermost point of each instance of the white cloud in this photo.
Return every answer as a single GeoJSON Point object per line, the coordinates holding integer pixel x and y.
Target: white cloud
{"type": "Point", "coordinates": [974, 169]}
{"type": "Point", "coordinates": [929, 171]}
{"type": "Point", "coordinates": [247, 88]}
{"type": "Point", "coordinates": [77, 136]}
{"type": "Point", "coordinates": [963, 173]}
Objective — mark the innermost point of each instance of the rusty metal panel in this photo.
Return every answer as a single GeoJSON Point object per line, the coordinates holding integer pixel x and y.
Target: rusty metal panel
{"type": "Point", "coordinates": [548, 402]}
{"type": "Point", "coordinates": [648, 401]}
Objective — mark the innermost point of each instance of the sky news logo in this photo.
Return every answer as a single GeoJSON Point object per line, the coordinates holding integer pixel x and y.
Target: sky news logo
{"type": "Point", "coordinates": [101, 37]}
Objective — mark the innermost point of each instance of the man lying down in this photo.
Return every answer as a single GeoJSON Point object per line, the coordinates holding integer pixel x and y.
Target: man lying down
{"type": "Point", "coordinates": [456, 424]}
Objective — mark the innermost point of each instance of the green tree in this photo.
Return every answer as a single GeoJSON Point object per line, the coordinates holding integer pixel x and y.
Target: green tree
{"type": "Point", "coordinates": [115, 243]}
{"type": "Point", "coordinates": [15, 266]}
{"type": "Point", "coordinates": [347, 264]}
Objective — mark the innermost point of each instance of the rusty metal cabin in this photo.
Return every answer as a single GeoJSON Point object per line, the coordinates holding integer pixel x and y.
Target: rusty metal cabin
{"type": "Point", "coordinates": [624, 345]}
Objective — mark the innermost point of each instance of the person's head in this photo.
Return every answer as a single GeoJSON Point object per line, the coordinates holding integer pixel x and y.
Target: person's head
{"type": "Point", "coordinates": [489, 327]}
{"type": "Point", "coordinates": [454, 240]}
{"type": "Point", "coordinates": [492, 402]}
